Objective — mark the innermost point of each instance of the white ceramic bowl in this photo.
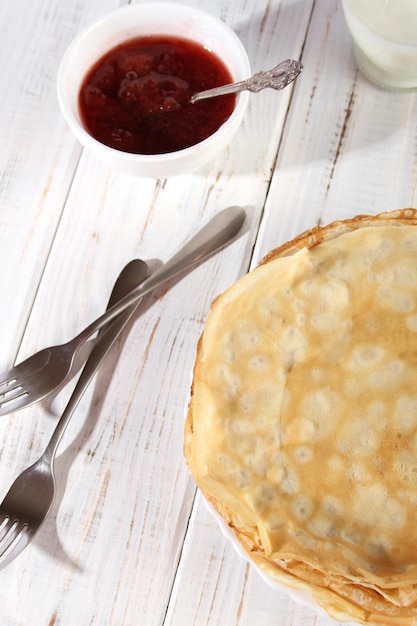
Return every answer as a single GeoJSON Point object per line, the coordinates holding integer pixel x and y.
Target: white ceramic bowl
{"type": "Point", "coordinates": [156, 18]}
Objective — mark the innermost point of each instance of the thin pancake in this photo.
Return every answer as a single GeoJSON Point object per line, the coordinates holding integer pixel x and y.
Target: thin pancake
{"type": "Point", "coordinates": [302, 424]}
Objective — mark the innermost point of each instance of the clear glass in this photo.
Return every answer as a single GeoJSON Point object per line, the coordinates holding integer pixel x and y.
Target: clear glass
{"type": "Point", "coordinates": [385, 40]}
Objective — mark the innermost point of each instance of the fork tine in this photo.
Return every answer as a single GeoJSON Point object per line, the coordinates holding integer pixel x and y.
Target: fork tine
{"type": "Point", "coordinates": [7, 389]}
{"type": "Point", "coordinates": [18, 403]}
{"type": "Point", "coordinates": [27, 382]}
{"type": "Point", "coordinates": [7, 377]}
{"type": "Point", "coordinates": [17, 373]}
{"type": "Point", "coordinates": [11, 533]}
{"type": "Point", "coordinates": [4, 527]}
{"type": "Point", "coordinates": [24, 382]}
{"type": "Point", "coordinates": [15, 539]}
{"type": "Point", "coordinates": [12, 401]}
{"type": "Point", "coordinates": [28, 367]}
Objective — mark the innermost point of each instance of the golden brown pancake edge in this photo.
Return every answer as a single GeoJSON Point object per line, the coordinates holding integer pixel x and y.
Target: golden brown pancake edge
{"type": "Point", "coordinates": [344, 597]}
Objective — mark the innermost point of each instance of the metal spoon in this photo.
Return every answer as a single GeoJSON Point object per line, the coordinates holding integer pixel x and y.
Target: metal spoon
{"type": "Point", "coordinates": [279, 77]}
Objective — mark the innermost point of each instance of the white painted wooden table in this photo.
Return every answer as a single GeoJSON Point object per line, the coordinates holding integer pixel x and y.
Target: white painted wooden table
{"type": "Point", "coordinates": [128, 542]}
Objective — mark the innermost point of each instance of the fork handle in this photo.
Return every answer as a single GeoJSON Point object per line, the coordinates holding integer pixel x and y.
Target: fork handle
{"type": "Point", "coordinates": [97, 354]}
{"type": "Point", "coordinates": [215, 234]}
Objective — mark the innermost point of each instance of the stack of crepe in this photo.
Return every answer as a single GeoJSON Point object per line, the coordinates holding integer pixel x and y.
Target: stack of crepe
{"type": "Point", "coordinates": [302, 424]}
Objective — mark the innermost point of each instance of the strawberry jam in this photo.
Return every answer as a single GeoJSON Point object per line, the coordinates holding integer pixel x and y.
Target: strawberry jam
{"type": "Point", "coordinates": [136, 98]}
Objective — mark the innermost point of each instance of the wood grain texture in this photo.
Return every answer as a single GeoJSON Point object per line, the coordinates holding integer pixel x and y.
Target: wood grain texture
{"type": "Point", "coordinates": [38, 155]}
{"type": "Point", "coordinates": [127, 541]}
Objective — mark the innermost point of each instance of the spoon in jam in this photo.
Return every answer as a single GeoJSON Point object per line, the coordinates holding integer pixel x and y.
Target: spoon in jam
{"type": "Point", "coordinates": [279, 77]}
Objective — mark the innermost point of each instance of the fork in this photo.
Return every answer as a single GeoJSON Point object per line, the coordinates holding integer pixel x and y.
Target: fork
{"type": "Point", "coordinates": [30, 497]}
{"type": "Point", "coordinates": [39, 375]}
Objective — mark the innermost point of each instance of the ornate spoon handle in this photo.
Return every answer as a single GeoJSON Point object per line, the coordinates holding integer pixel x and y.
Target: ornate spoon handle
{"type": "Point", "coordinates": [279, 77]}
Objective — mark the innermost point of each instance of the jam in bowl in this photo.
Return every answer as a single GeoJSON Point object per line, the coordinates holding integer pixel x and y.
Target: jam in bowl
{"type": "Point", "coordinates": [137, 97]}
{"type": "Point", "coordinates": [124, 87]}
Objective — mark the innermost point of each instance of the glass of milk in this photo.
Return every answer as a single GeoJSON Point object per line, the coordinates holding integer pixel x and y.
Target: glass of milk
{"type": "Point", "coordinates": [385, 40]}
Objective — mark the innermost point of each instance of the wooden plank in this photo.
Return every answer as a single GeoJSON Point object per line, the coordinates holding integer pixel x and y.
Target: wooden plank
{"type": "Point", "coordinates": [38, 154]}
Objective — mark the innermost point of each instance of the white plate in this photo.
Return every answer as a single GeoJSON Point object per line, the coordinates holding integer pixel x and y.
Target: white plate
{"type": "Point", "coordinates": [299, 596]}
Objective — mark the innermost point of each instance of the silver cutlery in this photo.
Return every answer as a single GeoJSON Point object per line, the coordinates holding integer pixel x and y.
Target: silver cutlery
{"type": "Point", "coordinates": [30, 497]}
{"type": "Point", "coordinates": [278, 78]}
{"type": "Point", "coordinates": [39, 375]}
